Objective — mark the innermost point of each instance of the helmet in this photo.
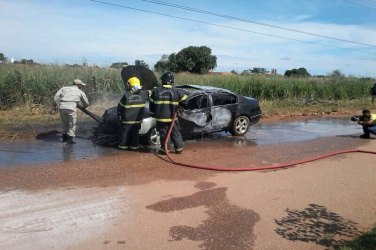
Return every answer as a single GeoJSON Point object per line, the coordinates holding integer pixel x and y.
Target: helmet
{"type": "Point", "coordinates": [134, 84]}
{"type": "Point", "coordinates": [167, 77]}
{"type": "Point", "coordinates": [134, 81]}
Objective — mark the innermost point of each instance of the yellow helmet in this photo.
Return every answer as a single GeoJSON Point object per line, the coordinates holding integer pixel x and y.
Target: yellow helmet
{"type": "Point", "coordinates": [134, 81]}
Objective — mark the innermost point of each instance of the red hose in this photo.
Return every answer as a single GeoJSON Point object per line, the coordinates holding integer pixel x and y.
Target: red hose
{"type": "Point", "coordinates": [283, 165]}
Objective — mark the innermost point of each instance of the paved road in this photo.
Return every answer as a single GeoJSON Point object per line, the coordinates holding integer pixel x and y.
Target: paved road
{"type": "Point", "coordinates": [140, 201]}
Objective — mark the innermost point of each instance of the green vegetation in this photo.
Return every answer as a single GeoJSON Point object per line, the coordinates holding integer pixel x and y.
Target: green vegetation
{"type": "Point", "coordinates": [301, 72]}
{"type": "Point", "coordinates": [28, 86]}
{"type": "Point", "coordinates": [366, 241]}
{"type": "Point", "coordinates": [278, 88]}
{"type": "Point", "coordinates": [22, 85]}
{"type": "Point", "coordinates": [192, 59]}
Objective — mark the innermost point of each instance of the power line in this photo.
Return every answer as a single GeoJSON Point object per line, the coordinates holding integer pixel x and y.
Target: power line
{"type": "Point", "coordinates": [253, 22]}
{"type": "Point", "coordinates": [219, 25]}
{"type": "Point", "coordinates": [364, 3]}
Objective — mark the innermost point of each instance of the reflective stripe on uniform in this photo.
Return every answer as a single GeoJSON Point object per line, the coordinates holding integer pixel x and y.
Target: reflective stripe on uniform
{"type": "Point", "coordinates": [132, 105]}
{"type": "Point", "coordinates": [122, 147]}
{"type": "Point", "coordinates": [131, 122]}
{"type": "Point", "coordinates": [183, 98]}
{"type": "Point", "coordinates": [164, 119]}
{"type": "Point", "coordinates": [166, 102]}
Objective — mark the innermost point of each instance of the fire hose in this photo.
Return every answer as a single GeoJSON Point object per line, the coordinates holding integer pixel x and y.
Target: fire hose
{"type": "Point", "coordinates": [277, 166]}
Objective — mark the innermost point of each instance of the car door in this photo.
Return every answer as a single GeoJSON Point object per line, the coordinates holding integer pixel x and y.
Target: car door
{"type": "Point", "coordinates": [224, 105]}
{"type": "Point", "coordinates": [195, 116]}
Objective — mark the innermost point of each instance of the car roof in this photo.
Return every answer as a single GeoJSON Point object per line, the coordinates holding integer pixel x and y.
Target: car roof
{"type": "Point", "coordinates": [202, 88]}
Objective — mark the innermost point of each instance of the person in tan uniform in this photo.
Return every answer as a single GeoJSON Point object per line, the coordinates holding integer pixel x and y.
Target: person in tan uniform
{"type": "Point", "coordinates": [67, 99]}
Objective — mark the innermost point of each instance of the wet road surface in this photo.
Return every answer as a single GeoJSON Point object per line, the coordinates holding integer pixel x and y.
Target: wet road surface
{"type": "Point", "coordinates": [48, 148]}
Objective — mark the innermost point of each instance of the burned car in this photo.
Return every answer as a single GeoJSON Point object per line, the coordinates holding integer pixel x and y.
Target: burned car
{"type": "Point", "coordinates": [210, 109]}
{"type": "Point", "coordinates": [206, 110]}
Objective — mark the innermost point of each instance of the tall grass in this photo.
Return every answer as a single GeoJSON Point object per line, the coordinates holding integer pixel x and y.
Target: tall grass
{"type": "Point", "coordinates": [277, 88]}
{"type": "Point", "coordinates": [25, 85]}
{"type": "Point", "coordinates": [22, 85]}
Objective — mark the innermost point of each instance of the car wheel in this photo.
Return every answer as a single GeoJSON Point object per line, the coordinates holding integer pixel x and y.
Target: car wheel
{"type": "Point", "coordinates": [240, 125]}
{"type": "Point", "coordinates": [153, 137]}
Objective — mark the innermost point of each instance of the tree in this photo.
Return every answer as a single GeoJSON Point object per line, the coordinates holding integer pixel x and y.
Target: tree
{"type": "Point", "coordinates": [259, 71]}
{"type": "Point", "coordinates": [336, 73]}
{"type": "Point", "coordinates": [301, 72]}
{"type": "Point", "coordinates": [254, 71]}
{"type": "Point", "coordinates": [141, 63]}
{"type": "Point", "coordinates": [118, 65]}
{"type": "Point", "coordinates": [2, 57]}
{"type": "Point", "coordinates": [192, 59]}
{"type": "Point", "coordinates": [246, 72]}
{"type": "Point", "coordinates": [163, 64]}
{"type": "Point", "coordinates": [25, 61]}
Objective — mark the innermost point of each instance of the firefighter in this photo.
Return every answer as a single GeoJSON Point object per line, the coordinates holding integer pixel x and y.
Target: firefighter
{"type": "Point", "coordinates": [368, 122]}
{"type": "Point", "coordinates": [130, 112]}
{"type": "Point", "coordinates": [164, 102]}
{"type": "Point", "coordinates": [373, 93]}
{"type": "Point", "coordinates": [67, 100]}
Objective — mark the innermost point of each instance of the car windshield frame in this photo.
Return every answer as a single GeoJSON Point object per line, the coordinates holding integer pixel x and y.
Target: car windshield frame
{"type": "Point", "coordinates": [195, 90]}
{"type": "Point", "coordinates": [198, 101]}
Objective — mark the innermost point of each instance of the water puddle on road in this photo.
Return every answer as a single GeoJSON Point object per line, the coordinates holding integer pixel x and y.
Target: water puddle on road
{"type": "Point", "coordinates": [48, 148]}
{"type": "Point", "coordinates": [301, 130]}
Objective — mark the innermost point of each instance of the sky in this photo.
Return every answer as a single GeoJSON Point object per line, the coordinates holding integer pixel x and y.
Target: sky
{"type": "Point", "coordinates": [319, 35]}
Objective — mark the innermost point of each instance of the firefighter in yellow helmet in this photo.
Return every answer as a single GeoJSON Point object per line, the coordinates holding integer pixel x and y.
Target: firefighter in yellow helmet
{"type": "Point", "coordinates": [130, 112]}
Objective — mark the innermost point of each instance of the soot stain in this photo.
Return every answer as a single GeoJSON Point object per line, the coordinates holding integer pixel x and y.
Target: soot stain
{"type": "Point", "coordinates": [316, 224]}
{"type": "Point", "coordinates": [226, 227]}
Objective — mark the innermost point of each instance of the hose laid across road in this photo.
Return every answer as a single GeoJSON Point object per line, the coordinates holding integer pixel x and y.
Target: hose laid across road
{"type": "Point", "coordinates": [283, 165]}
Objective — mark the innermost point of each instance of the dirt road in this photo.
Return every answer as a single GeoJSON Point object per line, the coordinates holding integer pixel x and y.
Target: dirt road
{"type": "Point", "coordinates": [140, 201]}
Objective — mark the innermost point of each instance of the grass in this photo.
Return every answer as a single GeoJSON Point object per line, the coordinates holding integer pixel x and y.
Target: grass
{"type": "Point", "coordinates": [366, 241]}
{"type": "Point", "coordinates": [279, 88]}
{"type": "Point", "coordinates": [22, 85]}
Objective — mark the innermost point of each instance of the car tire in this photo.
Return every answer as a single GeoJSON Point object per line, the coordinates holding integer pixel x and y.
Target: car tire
{"type": "Point", "coordinates": [240, 125]}
{"type": "Point", "coordinates": [153, 137]}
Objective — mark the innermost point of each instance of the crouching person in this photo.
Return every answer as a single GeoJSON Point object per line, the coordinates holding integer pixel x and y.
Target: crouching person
{"type": "Point", "coordinates": [130, 112]}
{"type": "Point", "coordinates": [368, 122]}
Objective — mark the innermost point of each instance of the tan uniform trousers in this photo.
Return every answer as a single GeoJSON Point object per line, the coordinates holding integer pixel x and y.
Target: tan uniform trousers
{"type": "Point", "coordinates": [68, 118]}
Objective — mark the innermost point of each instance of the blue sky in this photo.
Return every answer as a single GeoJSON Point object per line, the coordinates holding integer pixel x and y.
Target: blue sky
{"type": "Point", "coordinates": [72, 31]}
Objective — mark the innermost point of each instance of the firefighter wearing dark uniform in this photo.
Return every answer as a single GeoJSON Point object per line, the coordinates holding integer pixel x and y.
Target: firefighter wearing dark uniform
{"type": "Point", "coordinates": [130, 111]}
{"type": "Point", "coordinates": [164, 102]}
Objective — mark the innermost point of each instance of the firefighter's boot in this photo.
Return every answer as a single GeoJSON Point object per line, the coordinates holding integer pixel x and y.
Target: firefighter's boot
{"type": "Point", "coordinates": [65, 137]}
{"type": "Point", "coordinates": [70, 140]}
{"type": "Point", "coordinates": [365, 136]}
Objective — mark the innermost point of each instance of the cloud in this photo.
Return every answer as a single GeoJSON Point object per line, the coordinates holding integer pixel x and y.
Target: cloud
{"type": "Point", "coordinates": [55, 30]}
